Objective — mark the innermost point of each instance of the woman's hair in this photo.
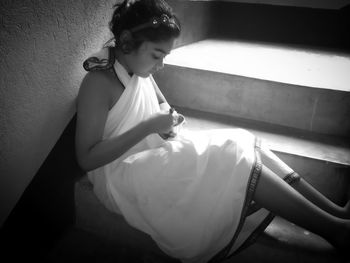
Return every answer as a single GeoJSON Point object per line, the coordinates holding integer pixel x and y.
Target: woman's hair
{"type": "Point", "coordinates": [146, 20]}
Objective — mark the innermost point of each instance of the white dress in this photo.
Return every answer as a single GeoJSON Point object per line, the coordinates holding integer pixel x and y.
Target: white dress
{"type": "Point", "coordinates": [192, 194]}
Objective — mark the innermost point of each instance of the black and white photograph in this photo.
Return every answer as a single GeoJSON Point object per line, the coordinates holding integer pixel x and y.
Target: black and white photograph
{"type": "Point", "coordinates": [175, 131]}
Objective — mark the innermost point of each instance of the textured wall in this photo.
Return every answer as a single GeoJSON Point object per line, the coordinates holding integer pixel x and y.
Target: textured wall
{"type": "Point", "coordinates": [42, 45]}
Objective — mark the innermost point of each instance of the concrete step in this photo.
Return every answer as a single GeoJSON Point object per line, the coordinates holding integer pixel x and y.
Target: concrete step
{"type": "Point", "coordinates": [294, 87]}
{"type": "Point", "coordinates": [94, 218]}
{"type": "Point", "coordinates": [323, 160]}
{"type": "Point", "coordinates": [283, 241]}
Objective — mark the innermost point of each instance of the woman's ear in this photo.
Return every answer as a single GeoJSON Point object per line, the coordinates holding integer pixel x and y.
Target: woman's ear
{"type": "Point", "coordinates": [126, 42]}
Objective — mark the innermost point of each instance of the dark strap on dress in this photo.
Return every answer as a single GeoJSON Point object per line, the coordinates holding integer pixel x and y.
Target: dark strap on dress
{"type": "Point", "coordinates": [252, 184]}
{"type": "Point", "coordinates": [95, 63]}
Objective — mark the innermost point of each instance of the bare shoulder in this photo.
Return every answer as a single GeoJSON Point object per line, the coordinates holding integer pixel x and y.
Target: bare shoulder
{"type": "Point", "coordinates": [100, 85]}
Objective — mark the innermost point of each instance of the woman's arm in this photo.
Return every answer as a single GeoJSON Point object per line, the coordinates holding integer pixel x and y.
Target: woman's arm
{"type": "Point", "coordinates": [94, 101]}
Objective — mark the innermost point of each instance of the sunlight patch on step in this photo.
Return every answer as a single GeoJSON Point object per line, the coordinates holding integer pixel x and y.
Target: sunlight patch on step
{"type": "Point", "coordinates": [334, 152]}
{"type": "Point", "coordinates": [268, 62]}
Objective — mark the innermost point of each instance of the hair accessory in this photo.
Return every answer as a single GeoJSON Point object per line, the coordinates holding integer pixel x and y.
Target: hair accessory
{"type": "Point", "coordinates": [155, 22]}
{"type": "Point", "coordinates": [130, 2]}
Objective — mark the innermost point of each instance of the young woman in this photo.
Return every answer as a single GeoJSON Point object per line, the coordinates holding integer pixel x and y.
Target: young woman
{"type": "Point", "coordinates": [201, 196]}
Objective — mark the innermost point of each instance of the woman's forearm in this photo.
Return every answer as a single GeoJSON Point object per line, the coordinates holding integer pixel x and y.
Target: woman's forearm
{"type": "Point", "coordinates": [108, 150]}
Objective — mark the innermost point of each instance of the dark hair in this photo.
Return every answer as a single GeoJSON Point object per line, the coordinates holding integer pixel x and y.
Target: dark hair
{"type": "Point", "coordinates": [130, 14]}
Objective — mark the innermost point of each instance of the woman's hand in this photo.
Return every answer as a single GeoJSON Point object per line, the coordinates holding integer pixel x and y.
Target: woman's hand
{"type": "Point", "coordinates": [164, 123]}
{"type": "Point", "coordinates": [161, 122]}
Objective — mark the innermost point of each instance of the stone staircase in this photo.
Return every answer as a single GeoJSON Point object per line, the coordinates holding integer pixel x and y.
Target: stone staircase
{"type": "Point", "coordinates": [297, 100]}
{"type": "Point", "coordinates": [295, 97]}
{"type": "Point", "coordinates": [285, 85]}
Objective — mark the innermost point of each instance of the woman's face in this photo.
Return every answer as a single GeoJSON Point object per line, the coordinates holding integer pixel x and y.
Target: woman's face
{"type": "Point", "coordinates": [148, 58]}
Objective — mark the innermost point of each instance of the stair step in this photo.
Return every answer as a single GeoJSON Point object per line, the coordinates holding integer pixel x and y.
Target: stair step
{"type": "Point", "coordinates": [286, 242]}
{"type": "Point", "coordinates": [277, 63]}
{"type": "Point", "coordinates": [300, 88]}
{"type": "Point", "coordinates": [323, 160]}
{"type": "Point", "coordinates": [279, 138]}
{"type": "Point", "coordinates": [93, 217]}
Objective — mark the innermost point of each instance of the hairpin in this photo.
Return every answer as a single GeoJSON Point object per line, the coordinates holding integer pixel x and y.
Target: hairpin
{"type": "Point", "coordinates": [130, 2]}
{"type": "Point", "coordinates": [155, 22]}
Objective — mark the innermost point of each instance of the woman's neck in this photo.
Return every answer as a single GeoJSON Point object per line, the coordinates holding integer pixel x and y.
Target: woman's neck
{"type": "Point", "coordinates": [120, 56]}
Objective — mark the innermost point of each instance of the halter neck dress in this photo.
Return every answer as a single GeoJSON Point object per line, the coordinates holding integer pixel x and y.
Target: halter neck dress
{"type": "Point", "coordinates": [192, 194]}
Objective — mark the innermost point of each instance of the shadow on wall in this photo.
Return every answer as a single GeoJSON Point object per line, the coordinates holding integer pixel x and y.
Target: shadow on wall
{"type": "Point", "coordinates": [42, 46]}
{"type": "Point", "coordinates": [195, 18]}
{"type": "Point", "coordinates": [47, 208]}
{"type": "Point", "coordinates": [282, 24]}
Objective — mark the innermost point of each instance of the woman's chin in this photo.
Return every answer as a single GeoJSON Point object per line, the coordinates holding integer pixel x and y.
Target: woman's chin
{"type": "Point", "coordinates": [152, 72]}
{"type": "Point", "coordinates": [144, 75]}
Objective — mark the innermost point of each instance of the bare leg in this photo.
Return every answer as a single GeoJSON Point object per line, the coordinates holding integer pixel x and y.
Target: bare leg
{"type": "Point", "coordinates": [303, 187]}
{"type": "Point", "coordinates": [320, 200]}
{"type": "Point", "coordinates": [277, 196]}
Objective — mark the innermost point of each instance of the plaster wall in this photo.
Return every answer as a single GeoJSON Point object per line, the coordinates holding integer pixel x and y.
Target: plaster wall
{"type": "Point", "coordinates": [42, 46]}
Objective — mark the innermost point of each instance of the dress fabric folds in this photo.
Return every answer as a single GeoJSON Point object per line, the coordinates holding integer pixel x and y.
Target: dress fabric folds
{"type": "Point", "coordinates": [192, 194]}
